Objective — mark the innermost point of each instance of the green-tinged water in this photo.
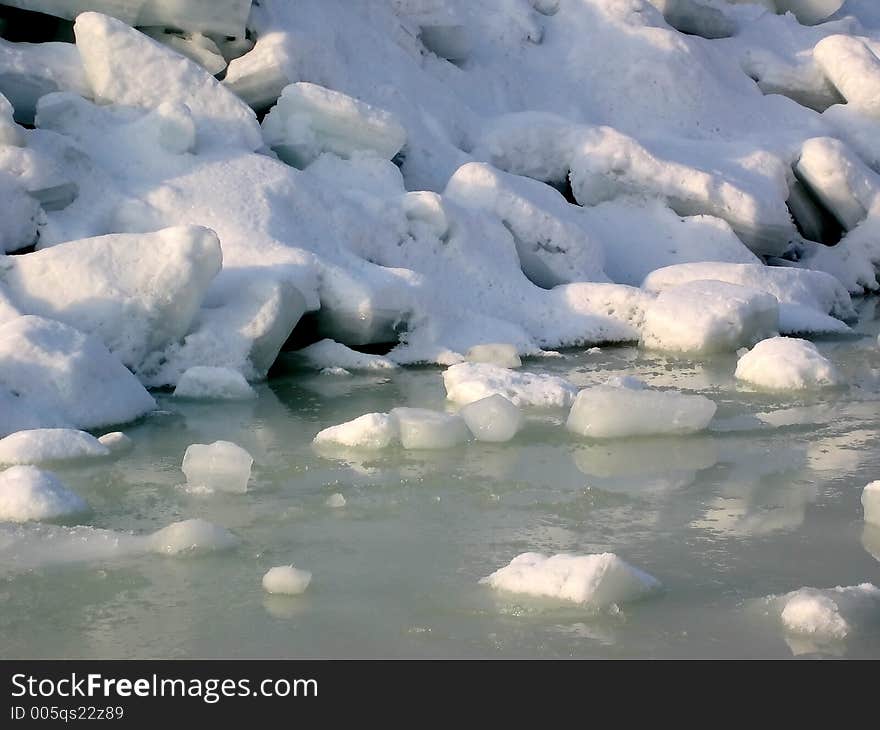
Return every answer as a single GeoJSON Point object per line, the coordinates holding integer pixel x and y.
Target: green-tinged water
{"type": "Point", "coordinates": [757, 505]}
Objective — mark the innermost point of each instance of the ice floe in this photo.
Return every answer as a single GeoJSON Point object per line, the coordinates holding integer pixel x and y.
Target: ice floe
{"type": "Point", "coordinates": [28, 493]}
{"type": "Point", "coordinates": [287, 580]}
{"type": "Point", "coordinates": [786, 363]}
{"type": "Point", "coordinates": [468, 382]}
{"type": "Point", "coordinates": [221, 466]}
{"type": "Point", "coordinates": [493, 418]}
{"type": "Point", "coordinates": [42, 445]}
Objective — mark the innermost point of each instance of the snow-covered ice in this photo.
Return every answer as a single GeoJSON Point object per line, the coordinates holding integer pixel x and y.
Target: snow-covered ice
{"type": "Point", "coordinates": [598, 581]}
{"type": "Point", "coordinates": [42, 445]}
{"type": "Point", "coordinates": [606, 411]}
{"type": "Point", "coordinates": [493, 418]}
{"type": "Point", "coordinates": [213, 383]}
{"type": "Point", "coordinates": [221, 466]}
{"type": "Point", "coordinates": [191, 536]}
{"type": "Point", "coordinates": [287, 580]}
{"type": "Point", "coordinates": [786, 363]}
{"type": "Point", "coordinates": [468, 382]}
{"type": "Point", "coordinates": [27, 493]}
{"type": "Point", "coordinates": [421, 428]}
{"type": "Point", "coordinates": [709, 316]}
{"type": "Point", "coordinates": [370, 431]}
{"type": "Point", "coordinates": [871, 503]}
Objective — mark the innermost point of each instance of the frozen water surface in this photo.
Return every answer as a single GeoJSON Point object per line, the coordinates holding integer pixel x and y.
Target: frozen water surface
{"type": "Point", "coordinates": [766, 502]}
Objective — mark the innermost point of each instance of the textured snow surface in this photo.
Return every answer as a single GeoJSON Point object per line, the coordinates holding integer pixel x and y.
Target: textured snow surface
{"type": "Point", "coordinates": [27, 493]}
{"type": "Point", "coordinates": [595, 580]}
{"type": "Point", "coordinates": [468, 382]}
{"type": "Point", "coordinates": [829, 614]}
{"type": "Point", "coordinates": [213, 383]}
{"type": "Point", "coordinates": [37, 446]}
{"type": "Point", "coordinates": [786, 363]}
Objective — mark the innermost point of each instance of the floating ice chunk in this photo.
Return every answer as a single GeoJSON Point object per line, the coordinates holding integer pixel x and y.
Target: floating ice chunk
{"type": "Point", "coordinates": [853, 69]}
{"type": "Point", "coordinates": [213, 383]}
{"type": "Point", "coordinates": [53, 375]}
{"type": "Point", "coordinates": [829, 614]}
{"type": "Point", "coordinates": [21, 216]}
{"type": "Point", "coordinates": [191, 536]}
{"type": "Point", "coordinates": [336, 501]}
{"type": "Point", "coordinates": [839, 179]}
{"type": "Point", "coordinates": [42, 445]}
{"type": "Point", "coordinates": [223, 17]}
{"type": "Point", "coordinates": [287, 580]}
{"type": "Point", "coordinates": [814, 290]}
{"type": "Point", "coordinates": [605, 411]}
{"type": "Point", "coordinates": [421, 428]}
{"type": "Point", "coordinates": [467, 382]}
{"type": "Point", "coordinates": [221, 466]}
{"type": "Point", "coordinates": [871, 503]}
{"type": "Point", "coordinates": [330, 354]}
{"type": "Point", "coordinates": [493, 418]}
{"type": "Point", "coordinates": [116, 442]}
{"type": "Point", "coordinates": [504, 356]}
{"type": "Point", "coordinates": [27, 493]}
{"type": "Point", "coordinates": [709, 316]}
{"type": "Point", "coordinates": [596, 580]}
{"type": "Point", "coordinates": [310, 119]}
{"type": "Point", "coordinates": [124, 66]}
{"type": "Point", "coordinates": [136, 292]}
{"type": "Point", "coordinates": [551, 241]}
{"type": "Point", "coordinates": [786, 363]}
{"type": "Point", "coordinates": [335, 371]}
{"type": "Point", "coordinates": [29, 71]}
{"type": "Point", "coordinates": [370, 431]}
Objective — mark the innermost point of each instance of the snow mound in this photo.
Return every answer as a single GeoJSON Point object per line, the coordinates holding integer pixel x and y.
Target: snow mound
{"type": "Point", "coordinates": [135, 292]}
{"type": "Point", "coordinates": [504, 356]}
{"type": "Point", "coordinates": [493, 418]}
{"type": "Point", "coordinates": [287, 580]}
{"type": "Point", "coordinates": [205, 382]}
{"type": "Point", "coordinates": [191, 536]}
{"type": "Point", "coordinates": [709, 316]}
{"type": "Point", "coordinates": [27, 494]}
{"type": "Point", "coordinates": [605, 411]}
{"type": "Point", "coordinates": [43, 445]}
{"type": "Point", "coordinates": [786, 363]}
{"type": "Point", "coordinates": [51, 375]}
{"type": "Point", "coordinates": [421, 428]}
{"type": "Point", "coordinates": [370, 431]}
{"type": "Point", "coordinates": [331, 354]}
{"type": "Point", "coordinates": [596, 580]}
{"type": "Point", "coordinates": [221, 466]}
{"type": "Point", "coordinates": [871, 503]}
{"type": "Point", "coordinates": [310, 119]}
{"type": "Point", "coordinates": [468, 382]}
{"type": "Point", "coordinates": [124, 66]}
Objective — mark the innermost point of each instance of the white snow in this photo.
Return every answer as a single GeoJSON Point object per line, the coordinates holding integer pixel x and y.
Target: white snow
{"type": "Point", "coordinates": [493, 418]}
{"type": "Point", "coordinates": [331, 354]}
{"type": "Point", "coordinates": [287, 580]}
{"type": "Point", "coordinates": [310, 119]}
{"type": "Point", "coordinates": [42, 445]}
{"type": "Point", "coordinates": [468, 382]}
{"type": "Point", "coordinates": [203, 382]}
{"type": "Point", "coordinates": [221, 466]}
{"type": "Point", "coordinates": [135, 292]}
{"type": "Point", "coordinates": [370, 431]}
{"type": "Point", "coordinates": [502, 355]}
{"type": "Point", "coordinates": [786, 363]}
{"type": "Point", "coordinates": [871, 503]}
{"type": "Point", "coordinates": [421, 428]}
{"type": "Point", "coordinates": [709, 316]}
{"type": "Point", "coordinates": [126, 67]}
{"type": "Point", "coordinates": [27, 493]}
{"type": "Point", "coordinates": [51, 375]}
{"type": "Point", "coordinates": [190, 536]}
{"type": "Point", "coordinates": [607, 411]}
{"type": "Point", "coordinates": [598, 581]}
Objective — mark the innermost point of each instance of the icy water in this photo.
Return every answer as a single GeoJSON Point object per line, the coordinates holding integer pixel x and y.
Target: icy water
{"type": "Point", "coordinates": [766, 502]}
